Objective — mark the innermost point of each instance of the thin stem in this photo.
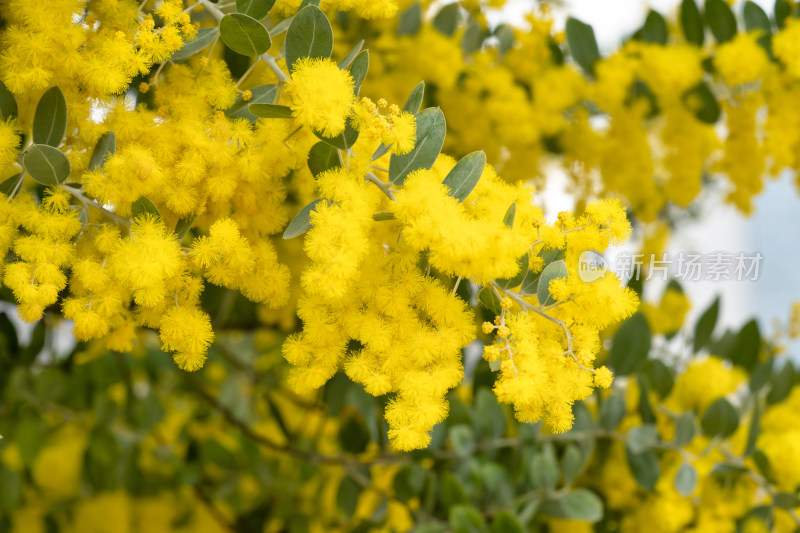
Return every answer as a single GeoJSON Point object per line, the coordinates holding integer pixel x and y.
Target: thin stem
{"type": "Point", "coordinates": [381, 185]}
{"type": "Point", "coordinates": [85, 200]}
{"type": "Point", "coordinates": [455, 287]}
{"type": "Point", "coordinates": [273, 65]}
{"type": "Point", "coordinates": [214, 10]}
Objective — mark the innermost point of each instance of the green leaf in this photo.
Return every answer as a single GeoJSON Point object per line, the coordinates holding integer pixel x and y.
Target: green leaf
{"type": "Point", "coordinates": [347, 496]}
{"type": "Point", "coordinates": [204, 37]}
{"type": "Point", "coordinates": [721, 20]}
{"type": "Point", "coordinates": [748, 344]}
{"type": "Point", "coordinates": [490, 419]}
{"type": "Point", "coordinates": [782, 10]}
{"type": "Point", "coordinates": [781, 383]}
{"type": "Point", "coordinates": [505, 36]}
{"type": "Point", "coordinates": [46, 164]}
{"type": "Point", "coordinates": [270, 110]}
{"type": "Point", "coordinates": [281, 27]}
{"type": "Point", "coordinates": [105, 147]}
{"type": "Point", "coordinates": [516, 280]}
{"type": "Point", "coordinates": [446, 20]}
{"type": "Point", "coordinates": [344, 140]}
{"type": "Point", "coordinates": [762, 463]}
{"type": "Point", "coordinates": [50, 120]}
{"type": "Point", "coordinates": [410, 20]}
{"type": "Point", "coordinates": [612, 411]}
{"type": "Point", "coordinates": [11, 186]}
{"type": "Point", "coordinates": [10, 489]}
{"type": "Point", "coordinates": [580, 504]}
{"type": "Point", "coordinates": [257, 9]}
{"type": "Point", "coordinates": [631, 345]}
{"type": "Point", "coordinates": [462, 439]}
{"type": "Point", "coordinates": [263, 94]}
{"type": "Point", "coordinates": [720, 418]}
{"type": "Point", "coordinates": [786, 500]}
{"type": "Point", "coordinates": [641, 438]}
{"type": "Point", "coordinates": [414, 100]}
{"type": "Point", "coordinates": [511, 213]}
{"type": "Point", "coordinates": [644, 467]}
{"type": "Point", "coordinates": [351, 55]}
{"type": "Point", "coordinates": [684, 429]}
{"type": "Point", "coordinates": [309, 35]}
{"type": "Point", "coordinates": [571, 463]}
{"type": "Point", "coordinates": [760, 375]}
{"type": "Point", "coordinates": [8, 104]}
{"type": "Point", "coordinates": [452, 493]}
{"type": "Point", "coordinates": [36, 343]}
{"type": "Point", "coordinates": [472, 40]}
{"type": "Point", "coordinates": [244, 35]}
{"type": "Point", "coordinates": [466, 519]}
{"type": "Point", "coordinates": [465, 175]}
{"type": "Point", "coordinates": [322, 157]}
{"type": "Point", "coordinates": [183, 226]}
{"type": "Point", "coordinates": [505, 522]}
{"type": "Point", "coordinates": [686, 480]}
{"type": "Point", "coordinates": [555, 270]}
{"type": "Point", "coordinates": [543, 471]}
{"type": "Point", "coordinates": [353, 433]}
{"type": "Point", "coordinates": [654, 29]}
{"type": "Point", "coordinates": [409, 481]}
{"type": "Point", "coordinates": [660, 376]}
{"type": "Point", "coordinates": [705, 325]}
{"type": "Point", "coordinates": [431, 128]}
{"type": "Point", "coordinates": [582, 44]}
{"type": "Point", "coordinates": [755, 18]}
{"type": "Point", "coordinates": [359, 70]}
{"type": "Point", "coordinates": [702, 101]}
{"type": "Point", "coordinates": [489, 298]}
{"type": "Point", "coordinates": [142, 206]}
{"type": "Point", "coordinates": [383, 215]}
{"type": "Point", "coordinates": [755, 427]}
{"type": "Point", "coordinates": [692, 22]}
{"type": "Point", "coordinates": [301, 223]}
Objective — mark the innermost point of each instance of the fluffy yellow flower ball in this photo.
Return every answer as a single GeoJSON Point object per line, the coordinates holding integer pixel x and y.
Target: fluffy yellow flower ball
{"type": "Point", "coordinates": [321, 94]}
{"type": "Point", "coordinates": [741, 60]}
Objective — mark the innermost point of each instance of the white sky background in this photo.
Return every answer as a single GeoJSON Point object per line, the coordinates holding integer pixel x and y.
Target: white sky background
{"type": "Point", "coordinates": [772, 230]}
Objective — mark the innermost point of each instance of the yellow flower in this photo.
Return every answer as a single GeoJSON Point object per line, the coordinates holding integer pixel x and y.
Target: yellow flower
{"type": "Point", "coordinates": [321, 95]}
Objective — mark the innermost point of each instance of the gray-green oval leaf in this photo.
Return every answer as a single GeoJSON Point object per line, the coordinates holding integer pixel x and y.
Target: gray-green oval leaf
{"type": "Point", "coordinates": [50, 120]}
{"type": "Point", "coordinates": [46, 164]}
{"type": "Point", "coordinates": [686, 480]}
{"type": "Point", "coordinates": [204, 37]}
{"type": "Point", "coordinates": [414, 101]}
{"type": "Point", "coordinates": [257, 9]}
{"type": "Point", "coordinates": [270, 110]}
{"type": "Point", "coordinates": [555, 270]}
{"type": "Point", "coordinates": [465, 175]}
{"type": "Point", "coordinates": [106, 146]}
{"type": "Point", "coordinates": [351, 55]}
{"type": "Point", "coordinates": [143, 206]}
{"type": "Point", "coordinates": [8, 104]}
{"type": "Point", "coordinates": [580, 504]}
{"type": "Point", "coordinates": [358, 71]}
{"type": "Point", "coordinates": [309, 35]}
{"type": "Point", "coordinates": [582, 44]}
{"type": "Point", "coordinates": [431, 129]}
{"type": "Point", "coordinates": [720, 418]}
{"type": "Point", "coordinates": [322, 157]}
{"type": "Point", "coordinates": [301, 223]}
{"type": "Point", "coordinates": [244, 35]}
{"type": "Point", "coordinates": [631, 345]}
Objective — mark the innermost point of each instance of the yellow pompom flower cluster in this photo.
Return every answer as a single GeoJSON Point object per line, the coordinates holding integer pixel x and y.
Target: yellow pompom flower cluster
{"type": "Point", "coordinates": [228, 260]}
{"type": "Point", "coordinates": [546, 349]}
{"type": "Point", "coordinates": [321, 94]}
{"type": "Point", "coordinates": [44, 250]}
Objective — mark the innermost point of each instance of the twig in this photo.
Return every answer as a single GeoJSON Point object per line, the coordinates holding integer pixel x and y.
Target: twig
{"type": "Point", "coordinates": [85, 200]}
{"type": "Point", "coordinates": [381, 185]}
